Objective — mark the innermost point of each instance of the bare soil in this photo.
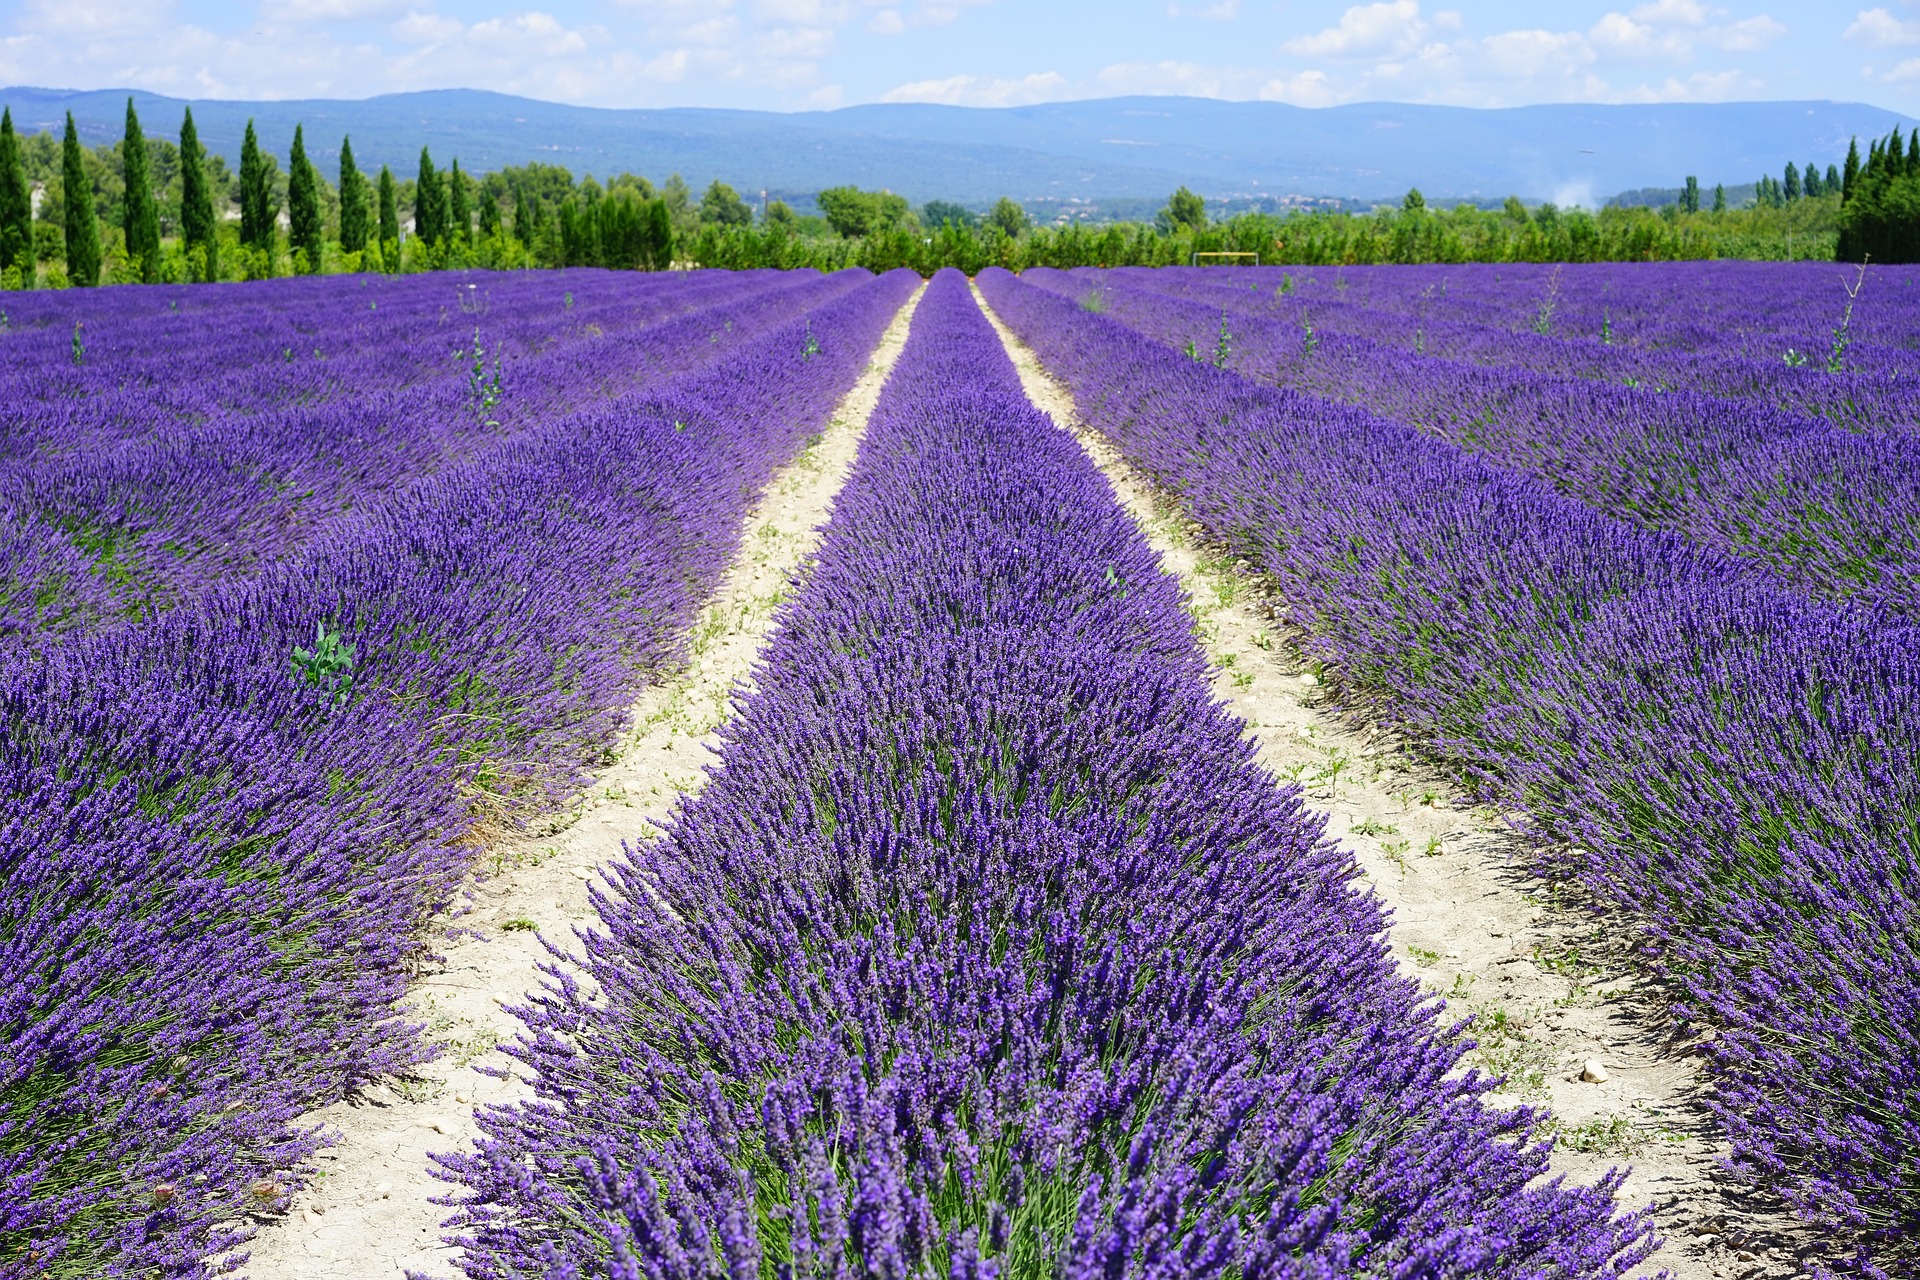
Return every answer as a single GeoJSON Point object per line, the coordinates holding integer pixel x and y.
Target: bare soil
{"type": "Point", "coordinates": [369, 1211]}
{"type": "Point", "coordinates": [1548, 988]}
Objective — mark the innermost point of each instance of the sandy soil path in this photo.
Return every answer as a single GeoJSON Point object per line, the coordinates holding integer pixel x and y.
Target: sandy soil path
{"type": "Point", "coordinates": [369, 1213]}
{"type": "Point", "coordinates": [1553, 1000]}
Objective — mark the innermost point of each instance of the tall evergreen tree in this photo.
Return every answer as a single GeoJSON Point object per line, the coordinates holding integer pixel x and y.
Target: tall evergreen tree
{"type": "Point", "coordinates": [1851, 174]}
{"type": "Point", "coordinates": [1791, 186]}
{"type": "Point", "coordinates": [1913, 149]}
{"type": "Point", "coordinates": [1719, 197]}
{"type": "Point", "coordinates": [459, 212]}
{"type": "Point", "coordinates": [1690, 195]}
{"type": "Point", "coordinates": [196, 199]}
{"type": "Point", "coordinates": [306, 234]}
{"type": "Point", "coordinates": [82, 224]}
{"type": "Point", "coordinates": [16, 202]}
{"type": "Point", "coordinates": [1832, 182]}
{"type": "Point", "coordinates": [429, 203]}
{"type": "Point", "coordinates": [659, 235]}
{"type": "Point", "coordinates": [489, 213]}
{"type": "Point", "coordinates": [141, 211]}
{"type": "Point", "coordinates": [389, 218]}
{"type": "Point", "coordinates": [259, 209]}
{"type": "Point", "coordinates": [1810, 185]}
{"type": "Point", "coordinates": [353, 202]}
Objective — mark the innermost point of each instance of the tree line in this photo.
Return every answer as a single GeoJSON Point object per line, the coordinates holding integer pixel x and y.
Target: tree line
{"type": "Point", "coordinates": [150, 209]}
{"type": "Point", "coordinates": [1880, 214]}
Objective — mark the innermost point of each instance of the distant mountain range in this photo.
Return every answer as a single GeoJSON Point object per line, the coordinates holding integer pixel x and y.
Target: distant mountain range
{"type": "Point", "coordinates": [1103, 149]}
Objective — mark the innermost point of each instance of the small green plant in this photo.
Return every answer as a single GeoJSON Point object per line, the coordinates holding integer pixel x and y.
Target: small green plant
{"type": "Point", "coordinates": [812, 347]}
{"type": "Point", "coordinates": [484, 386]}
{"type": "Point", "coordinates": [1285, 287]}
{"type": "Point", "coordinates": [1606, 327]}
{"type": "Point", "coordinates": [1313, 336]}
{"type": "Point", "coordinates": [79, 347]}
{"type": "Point", "coordinates": [1193, 352]}
{"type": "Point", "coordinates": [1842, 333]}
{"type": "Point", "coordinates": [1434, 847]}
{"type": "Point", "coordinates": [566, 303]}
{"type": "Point", "coordinates": [1223, 347]}
{"type": "Point", "coordinates": [1424, 958]}
{"type": "Point", "coordinates": [1543, 319]}
{"type": "Point", "coordinates": [1116, 581]}
{"type": "Point", "coordinates": [1371, 828]}
{"type": "Point", "coordinates": [1795, 359]}
{"type": "Point", "coordinates": [519, 924]}
{"type": "Point", "coordinates": [1604, 1134]}
{"type": "Point", "coordinates": [1095, 302]}
{"type": "Point", "coordinates": [328, 666]}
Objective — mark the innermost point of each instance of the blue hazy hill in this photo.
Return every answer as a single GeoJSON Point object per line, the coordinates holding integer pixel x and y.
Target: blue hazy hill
{"type": "Point", "coordinates": [1106, 148]}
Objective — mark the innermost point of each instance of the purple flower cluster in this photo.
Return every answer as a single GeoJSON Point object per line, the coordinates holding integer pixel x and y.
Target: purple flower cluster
{"type": "Point", "coordinates": [192, 447]}
{"type": "Point", "coordinates": [1762, 331]}
{"type": "Point", "coordinates": [1735, 764]}
{"type": "Point", "coordinates": [989, 950]}
{"type": "Point", "coordinates": [212, 875]}
{"type": "Point", "coordinates": [1824, 510]}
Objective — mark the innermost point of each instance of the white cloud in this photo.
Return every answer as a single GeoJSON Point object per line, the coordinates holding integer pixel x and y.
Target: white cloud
{"type": "Point", "coordinates": [1389, 29]}
{"type": "Point", "coordinates": [1305, 89]}
{"type": "Point", "coordinates": [982, 91]}
{"type": "Point", "coordinates": [1224, 11]}
{"type": "Point", "coordinates": [298, 11]}
{"type": "Point", "coordinates": [1879, 29]}
{"type": "Point", "coordinates": [887, 22]}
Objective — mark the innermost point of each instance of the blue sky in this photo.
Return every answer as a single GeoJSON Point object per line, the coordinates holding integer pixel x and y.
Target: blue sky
{"type": "Point", "coordinates": [797, 54]}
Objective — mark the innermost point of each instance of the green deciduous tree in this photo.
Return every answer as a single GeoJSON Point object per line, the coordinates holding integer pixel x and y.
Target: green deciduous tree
{"type": "Point", "coordinates": [1187, 210]}
{"type": "Point", "coordinates": [1011, 220]}
{"type": "Point", "coordinates": [82, 227]}
{"type": "Point", "coordinates": [196, 202]}
{"type": "Point", "coordinates": [853, 213]}
{"type": "Point", "coordinates": [16, 203]}
{"type": "Point", "coordinates": [721, 206]}
{"type": "Point", "coordinates": [140, 211]}
{"type": "Point", "coordinates": [306, 234]}
{"type": "Point", "coordinates": [945, 213]}
{"type": "Point", "coordinates": [353, 202]}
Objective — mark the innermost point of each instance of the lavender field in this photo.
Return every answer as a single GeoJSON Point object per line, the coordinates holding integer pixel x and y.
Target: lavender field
{"type": "Point", "coordinates": [984, 946]}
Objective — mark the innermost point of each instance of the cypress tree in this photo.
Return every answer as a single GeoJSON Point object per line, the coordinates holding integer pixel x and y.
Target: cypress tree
{"type": "Point", "coordinates": [142, 212]}
{"type": "Point", "coordinates": [526, 216]}
{"type": "Point", "coordinates": [660, 234]}
{"type": "Point", "coordinates": [389, 220]}
{"type": "Point", "coordinates": [16, 202]}
{"type": "Point", "coordinates": [489, 213]}
{"type": "Point", "coordinates": [1810, 186]}
{"type": "Point", "coordinates": [1792, 184]}
{"type": "Point", "coordinates": [353, 202]}
{"type": "Point", "coordinates": [305, 233]}
{"type": "Point", "coordinates": [82, 225]}
{"type": "Point", "coordinates": [429, 207]}
{"type": "Point", "coordinates": [196, 198]}
{"type": "Point", "coordinates": [459, 213]}
{"type": "Point", "coordinates": [1719, 197]}
{"type": "Point", "coordinates": [1833, 179]}
{"type": "Point", "coordinates": [258, 208]}
{"type": "Point", "coordinates": [1913, 150]}
{"type": "Point", "coordinates": [1690, 195]}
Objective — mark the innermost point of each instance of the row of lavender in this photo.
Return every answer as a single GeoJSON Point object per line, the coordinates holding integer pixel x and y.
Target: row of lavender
{"type": "Point", "coordinates": [1732, 764]}
{"type": "Point", "coordinates": [989, 950]}
{"type": "Point", "coordinates": [123, 502]}
{"type": "Point", "coordinates": [1825, 368]}
{"type": "Point", "coordinates": [1753, 311]}
{"type": "Point", "coordinates": [1824, 511]}
{"type": "Point", "coordinates": [213, 872]}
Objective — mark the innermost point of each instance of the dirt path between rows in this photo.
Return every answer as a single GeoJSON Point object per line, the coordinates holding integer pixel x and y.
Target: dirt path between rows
{"type": "Point", "coordinates": [1555, 1004]}
{"type": "Point", "coordinates": [369, 1213]}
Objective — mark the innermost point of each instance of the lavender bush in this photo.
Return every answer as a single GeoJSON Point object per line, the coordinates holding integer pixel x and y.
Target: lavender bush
{"type": "Point", "coordinates": [213, 871]}
{"type": "Point", "coordinates": [989, 951]}
{"type": "Point", "coordinates": [1828, 511]}
{"type": "Point", "coordinates": [1733, 764]}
